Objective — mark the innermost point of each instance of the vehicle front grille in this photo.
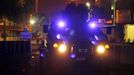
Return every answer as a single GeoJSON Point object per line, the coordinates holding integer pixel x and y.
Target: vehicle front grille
{"type": "Point", "coordinates": [82, 49]}
{"type": "Point", "coordinates": [81, 44]}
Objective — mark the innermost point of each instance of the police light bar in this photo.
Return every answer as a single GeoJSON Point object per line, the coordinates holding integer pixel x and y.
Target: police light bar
{"type": "Point", "coordinates": [92, 25]}
{"type": "Point", "coordinates": [61, 24]}
{"type": "Point", "coordinates": [58, 36]}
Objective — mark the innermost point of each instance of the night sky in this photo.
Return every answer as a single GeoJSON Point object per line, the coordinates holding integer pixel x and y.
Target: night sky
{"type": "Point", "coordinates": [49, 6]}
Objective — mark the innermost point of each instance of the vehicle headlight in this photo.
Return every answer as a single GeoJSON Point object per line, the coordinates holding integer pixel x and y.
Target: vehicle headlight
{"type": "Point", "coordinates": [62, 48]}
{"type": "Point", "coordinates": [107, 46]}
{"type": "Point", "coordinates": [55, 45]}
{"type": "Point", "coordinates": [101, 49]}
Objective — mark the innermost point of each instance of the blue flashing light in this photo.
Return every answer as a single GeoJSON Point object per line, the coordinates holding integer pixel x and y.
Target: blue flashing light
{"type": "Point", "coordinates": [96, 37]}
{"type": "Point", "coordinates": [93, 42]}
{"type": "Point", "coordinates": [61, 24]}
{"type": "Point", "coordinates": [42, 55]}
{"type": "Point", "coordinates": [73, 56]}
{"type": "Point", "coordinates": [92, 25]}
{"type": "Point", "coordinates": [58, 36]}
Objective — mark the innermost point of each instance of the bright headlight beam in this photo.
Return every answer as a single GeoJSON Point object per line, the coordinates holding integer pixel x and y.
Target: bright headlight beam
{"type": "Point", "coordinates": [101, 49]}
{"type": "Point", "coordinates": [62, 48]}
{"type": "Point", "coordinates": [32, 22]}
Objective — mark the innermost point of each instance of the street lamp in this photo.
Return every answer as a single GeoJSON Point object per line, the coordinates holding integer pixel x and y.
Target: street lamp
{"type": "Point", "coordinates": [36, 6]}
{"type": "Point", "coordinates": [114, 11]}
{"type": "Point", "coordinates": [112, 7]}
{"type": "Point", "coordinates": [32, 19]}
{"type": "Point", "coordinates": [32, 22]}
{"type": "Point", "coordinates": [88, 4]}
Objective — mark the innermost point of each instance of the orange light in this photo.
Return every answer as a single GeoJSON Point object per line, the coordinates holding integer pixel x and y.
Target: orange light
{"type": "Point", "coordinates": [107, 46]}
{"type": "Point", "coordinates": [96, 0]}
{"type": "Point", "coordinates": [62, 48]}
{"type": "Point", "coordinates": [55, 45]}
{"type": "Point", "coordinates": [109, 22]}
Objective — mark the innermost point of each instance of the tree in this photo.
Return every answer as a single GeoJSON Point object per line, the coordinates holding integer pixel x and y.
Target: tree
{"type": "Point", "coordinates": [14, 8]}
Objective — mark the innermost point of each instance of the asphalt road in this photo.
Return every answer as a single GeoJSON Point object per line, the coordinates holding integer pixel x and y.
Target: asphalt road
{"type": "Point", "coordinates": [65, 67]}
{"type": "Point", "coordinates": [68, 67]}
{"type": "Point", "coordinates": [78, 68]}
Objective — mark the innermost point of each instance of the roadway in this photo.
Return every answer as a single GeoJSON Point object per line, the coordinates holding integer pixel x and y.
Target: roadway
{"type": "Point", "coordinates": [75, 68]}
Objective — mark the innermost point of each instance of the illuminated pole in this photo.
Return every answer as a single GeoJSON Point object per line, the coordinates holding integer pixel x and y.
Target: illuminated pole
{"type": "Point", "coordinates": [36, 6]}
{"type": "Point", "coordinates": [32, 21]}
{"type": "Point", "coordinates": [88, 6]}
{"type": "Point", "coordinates": [114, 11]}
{"type": "Point", "coordinates": [4, 38]}
{"type": "Point", "coordinates": [114, 18]}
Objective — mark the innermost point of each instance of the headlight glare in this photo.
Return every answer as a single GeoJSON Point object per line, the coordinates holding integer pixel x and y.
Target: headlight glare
{"type": "Point", "coordinates": [101, 49]}
{"type": "Point", "coordinates": [62, 48]}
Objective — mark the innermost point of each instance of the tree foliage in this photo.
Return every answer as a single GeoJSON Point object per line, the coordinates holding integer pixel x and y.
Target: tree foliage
{"type": "Point", "coordinates": [14, 8]}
